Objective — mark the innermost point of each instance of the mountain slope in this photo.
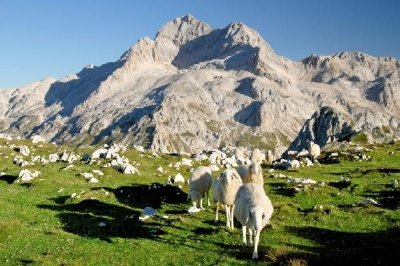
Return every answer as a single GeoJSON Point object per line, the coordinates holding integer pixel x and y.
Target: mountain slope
{"type": "Point", "coordinates": [194, 87]}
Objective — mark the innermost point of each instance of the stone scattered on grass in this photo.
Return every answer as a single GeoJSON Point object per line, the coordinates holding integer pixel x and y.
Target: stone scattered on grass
{"type": "Point", "coordinates": [24, 150]}
{"type": "Point", "coordinates": [87, 176]}
{"type": "Point", "coordinates": [160, 169]}
{"type": "Point", "coordinates": [98, 172]}
{"type": "Point", "coordinates": [37, 139]}
{"type": "Point", "coordinates": [27, 176]}
{"type": "Point", "coordinates": [102, 224]}
{"type": "Point", "coordinates": [93, 180]}
{"type": "Point", "coordinates": [54, 157]}
{"type": "Point", "coordinates": [186, 162]}
{"type": "Point", "coordinates": [394, 184]}
{"type": "Point", "coordinates": [194, 210]}
{"type": "Point", "coordinates": [369, 201]}
{"type": "Point", "coordinates": [301, 181]}
{"type": "Point", "coordinates": [68, 167]}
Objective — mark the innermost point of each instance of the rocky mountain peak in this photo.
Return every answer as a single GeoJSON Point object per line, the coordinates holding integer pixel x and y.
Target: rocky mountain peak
{"type": "Point", "coordinates": [182, 30]}
{"type": "Point", "coordinates": [240, 34]}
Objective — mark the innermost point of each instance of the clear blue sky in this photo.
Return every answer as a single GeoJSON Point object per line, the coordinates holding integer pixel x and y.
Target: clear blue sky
{"type": "Point", "coordinates": [43, 38]}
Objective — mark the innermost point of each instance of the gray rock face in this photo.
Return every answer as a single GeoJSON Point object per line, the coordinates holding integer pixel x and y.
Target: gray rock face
{"type": "Point", "coordinates": [194, 87]}
{"type": "Point", "coordinates": [326, 125]}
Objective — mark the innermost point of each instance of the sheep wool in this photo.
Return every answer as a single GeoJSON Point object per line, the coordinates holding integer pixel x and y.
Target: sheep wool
{"type": "Point", "coordinates": [253, 209]}
{"type": "Point", "coordinates": [270, 157]}
{"type": "Point", "coordinates": [225, 188]}
{"type": "Point", "coordinates": [251, 173]}
{"type": "Point", "coordinates": [200, 182]}
{"type": "Point", "coordinates": [257, 156]}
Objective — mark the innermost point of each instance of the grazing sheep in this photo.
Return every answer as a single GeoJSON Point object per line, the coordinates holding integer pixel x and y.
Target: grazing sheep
{"type": "Point", "coordinates": [270, 157]}
{"type": "Point", "coordinates": [314, 150]}
{"type": "Point", "coordinates": [253, 209]}
{"type": "Point", "coordinates": [199, 185]}
{"type": "Point", "coordinates": [225, 188]}
{"type": "Point", "coordinates": [251, 173]}
{"type": "Point", "coordinates": [257, 156]}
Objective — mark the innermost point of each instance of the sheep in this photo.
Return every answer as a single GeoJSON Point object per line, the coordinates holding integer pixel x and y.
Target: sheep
{"type": "Point", "coordinates": [199, 185]}
{"type": "Point", "coordinates": [257, 156]}
{"type": "Point", "coordinates": [253, 209]}
{"type": "Point", "coordinates": [225, 188]}
{"type": "Point", "coordinates": [314, 150]}
{"type": "Point", "coordinates": [251, 173]}
{"type": "Point", "coordinates": [270, 157]}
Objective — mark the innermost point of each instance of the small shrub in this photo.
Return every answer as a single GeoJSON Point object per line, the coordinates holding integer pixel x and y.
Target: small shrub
{"type": "Point", "coordinates": [297, 262]}
{"type": "Point", "coordinates": [360, 138]}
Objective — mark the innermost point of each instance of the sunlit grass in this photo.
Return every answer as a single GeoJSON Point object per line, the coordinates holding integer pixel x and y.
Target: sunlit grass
{"type": "Point", "coordinates": [42, 225]}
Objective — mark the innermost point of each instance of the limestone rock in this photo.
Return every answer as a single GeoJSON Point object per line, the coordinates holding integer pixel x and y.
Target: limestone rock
{"type": "Point", "coordinates": [325, 126]}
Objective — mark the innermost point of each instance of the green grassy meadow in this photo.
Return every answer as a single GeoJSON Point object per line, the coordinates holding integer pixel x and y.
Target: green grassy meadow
{"type": "Point", "coordinates": [41, 224]}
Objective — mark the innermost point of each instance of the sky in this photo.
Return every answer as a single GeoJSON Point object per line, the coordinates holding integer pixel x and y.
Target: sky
{"type": "Point", "coordinates": [48, 38]}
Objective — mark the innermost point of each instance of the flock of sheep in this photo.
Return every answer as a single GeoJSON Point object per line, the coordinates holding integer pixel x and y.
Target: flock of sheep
{"type": "Point", "coordinates": [241, 192]}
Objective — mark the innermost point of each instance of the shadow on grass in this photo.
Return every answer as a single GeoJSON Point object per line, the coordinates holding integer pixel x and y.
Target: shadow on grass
{"type": "Point", "coordinates": [26, 261]}
{"type": "Point", "coordinates": [389, 199]}
{"type": "Point", "coordinates": [362, 172]}
{"type": "Point", "coordinates": [349, 248]}
{"type": "Point", "coordinates": [96, 219]}
{"type": "Point", "coordinates": [155, 195]}
{"type": "Point", "coordinates": [282, 189]}
{"type": "Point", "coordinates": [8, 178]}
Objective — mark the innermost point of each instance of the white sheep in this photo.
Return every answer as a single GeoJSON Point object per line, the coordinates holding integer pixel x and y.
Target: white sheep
{"type": "Point", "coordinates": [225, 188]}
{"type": "Point", "coordinates": [314, 150]}
{"type": "Point", "coordinates": [199, 185]}
{"type": "Point", "coordinates": [253, 209]}
{"type": "Point", "coordinates": [257, 156]}
{"type": "Point", "coordinates": [270, 157]}
{"type": "Point", "coordinates": [251, 173]}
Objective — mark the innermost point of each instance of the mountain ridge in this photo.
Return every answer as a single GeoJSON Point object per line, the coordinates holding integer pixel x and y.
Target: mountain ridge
{"type": "Point", "coordinates": [194, 87]}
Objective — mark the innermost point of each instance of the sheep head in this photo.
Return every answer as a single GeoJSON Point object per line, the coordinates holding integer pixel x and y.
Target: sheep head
{"type": "Point", "coordinates": [256, 218]}
{"type": "Point", "coordinates": [230, 175]}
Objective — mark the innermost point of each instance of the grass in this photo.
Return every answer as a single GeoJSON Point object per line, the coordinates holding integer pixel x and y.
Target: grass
{"type": "Point", "coordinates": [42, 225]}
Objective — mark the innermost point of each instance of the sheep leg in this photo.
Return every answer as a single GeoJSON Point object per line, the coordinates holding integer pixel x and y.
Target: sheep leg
{"type": "Point", "coordinates": [250, 238]}
{"type": "Point", "coordinates": [201, 204]}
{"type": "Point", "coordinates": [216, 213]}
{"type": "Point", "coordinates": [228, 216]}
{"type": "Point", "coordinates": [256, 239]}
{"type": "Point", "coordinates": [244, 239]}
{"type": "Point", "coordinates": [232, 216]}
{"type": "Point", "coordinates": [194, 204]}
{"type": "Point", "coordinates": [208, 200]}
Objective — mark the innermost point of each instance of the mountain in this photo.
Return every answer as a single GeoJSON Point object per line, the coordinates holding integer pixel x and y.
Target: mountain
{"type": "Point", "coordinates": [195, 87]}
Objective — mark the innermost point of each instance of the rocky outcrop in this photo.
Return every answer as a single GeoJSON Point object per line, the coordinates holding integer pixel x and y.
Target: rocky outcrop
{"type": "Point", "coordinates": [325, 126]}
{"type": "Point", "coordinates": [193, 87]}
